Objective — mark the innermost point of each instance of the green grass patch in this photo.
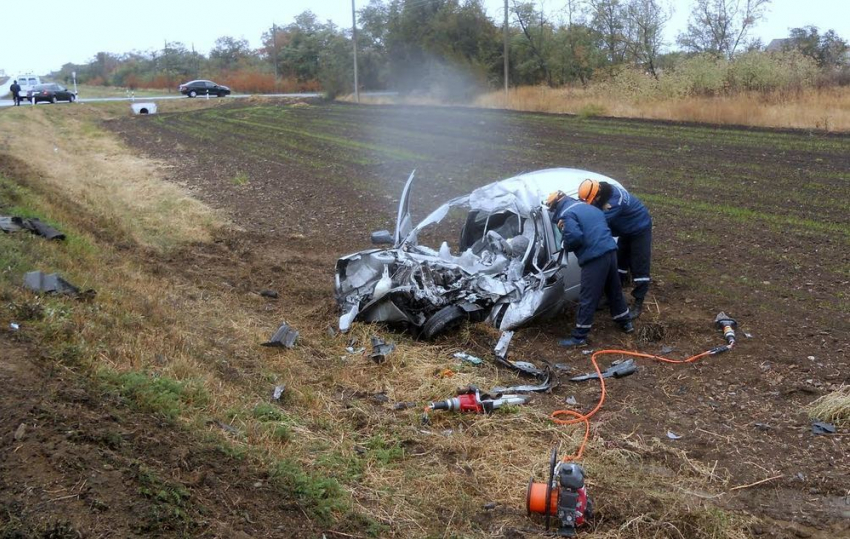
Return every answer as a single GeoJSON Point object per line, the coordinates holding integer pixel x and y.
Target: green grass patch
{"type": "Point", "coordinates": [240, 179]}
{"type": "Point", "coordinates": [322, 496]}
{"type": "Point", "coordinates": [160, 395]}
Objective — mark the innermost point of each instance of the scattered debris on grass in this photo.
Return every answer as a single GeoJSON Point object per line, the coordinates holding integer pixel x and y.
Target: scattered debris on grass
{"type": "Point", "coordinates": [380, 349]}
{"type": "Point", "coordinates": [34, 225]}
{"type": "Point", "coordinates": [463, 356]}
{"type": "Point", "coordinates": [272, 294]}
{"type": "Point", "coordinates": [284, 337]}
{"type": "Point", "coordinates": [277, 394]}
{"type": "Point", "coordinates": [819, 427]}
{"type": "Point", "coordinates": [618, 370]}
{"type": "Point", "coordinates": [501, 349]}
{"type": "Point", "coordinates": [38, 281]}
{"type": "Point", "coordinates": [833, 407]}
{"type": "Point", "coordinates": [546, 385]}
{"type": "Point", "coordinates": [673, 436]}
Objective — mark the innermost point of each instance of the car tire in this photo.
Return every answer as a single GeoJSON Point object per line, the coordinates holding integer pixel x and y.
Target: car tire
{"type": "Point", "coordinates": [193, 93]}
{"type": "Point", "coordinates": [53, 100]}
{"type": "Point", "coordinates": [443, 320]}
{"type": "Point", "coordinates": [222, 94]}
{"type": "Point", "coordinates": [72, 98]}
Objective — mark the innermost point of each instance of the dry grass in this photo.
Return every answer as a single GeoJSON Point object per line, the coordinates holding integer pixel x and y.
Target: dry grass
{"type": "Point", "coordinates": [81, 162]}
{"type": "Point", "coordinates": [416, 480]}
{"type": "Point", "coordinates": [827, 109]}
{"type": "Point", "coordinates": [834, 407]}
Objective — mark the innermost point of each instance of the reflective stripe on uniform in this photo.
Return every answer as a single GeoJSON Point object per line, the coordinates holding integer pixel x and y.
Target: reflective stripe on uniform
{"type": "Point", "coordinates": [581, 326]}
{"type": "Point", "coordinates": [626, 313]}
{"type": "Point", "coordinates": [642, 279]}
{"type": "Point", "coordinates": [622, 271]}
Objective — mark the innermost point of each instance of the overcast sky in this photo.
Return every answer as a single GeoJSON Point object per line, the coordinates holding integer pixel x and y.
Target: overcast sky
{"type": "Point", "coordinates": [42, 38]}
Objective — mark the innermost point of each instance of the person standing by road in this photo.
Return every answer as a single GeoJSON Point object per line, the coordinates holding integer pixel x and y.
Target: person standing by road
{"type": "Point", "coordinates": [630, 221]}
{"type": "Point", "coordinates": [15, 88]}
{"type": "Point", "coordinates": [585, 233]}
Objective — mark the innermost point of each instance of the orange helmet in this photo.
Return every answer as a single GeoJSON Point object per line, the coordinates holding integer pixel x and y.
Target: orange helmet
{"type": "Point", "coordinates": [588, 190]}
{"type": "Point", "coordinates": [553, 198]}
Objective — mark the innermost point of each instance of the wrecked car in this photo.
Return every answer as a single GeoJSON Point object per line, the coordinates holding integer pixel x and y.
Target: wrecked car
{"type": "Point", "coordinates": [507, 266]}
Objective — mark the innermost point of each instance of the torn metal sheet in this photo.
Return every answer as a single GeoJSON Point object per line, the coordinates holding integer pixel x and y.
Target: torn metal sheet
{"type": "Point", "coordinates": [819, 428]}
{"type": "Point", "coordinates": [49, 283]}
{"type": "Point", "coordinates": [284, 337]}
{"type": "Point", "coordinates": [501, 349]}
{"type": "Point", "coordinates": [380, 349]}
{"type": "Point", "coordinates": [546, 385]}
{"type": "Point", "coordinates": [463, 356]}
{"type": "Point", "coordinates": [507, 268]}
{"type": "Point", "coordinates": [278, 392]}
{"type": "Point", "coordinates": [619, 370]}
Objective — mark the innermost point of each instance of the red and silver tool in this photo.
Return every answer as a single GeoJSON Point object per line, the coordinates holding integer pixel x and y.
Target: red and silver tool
{"type": "Point", "coordinates": [470, 401]}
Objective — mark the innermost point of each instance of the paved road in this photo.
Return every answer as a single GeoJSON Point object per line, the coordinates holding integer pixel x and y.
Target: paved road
{"type": "Point", "coordinates": [9, 102]}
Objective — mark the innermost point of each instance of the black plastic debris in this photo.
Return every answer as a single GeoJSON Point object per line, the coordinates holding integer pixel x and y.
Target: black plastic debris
{"type": "Point", "coordinates": [284, 337]}
{"type": "Point", "coordinates": [34, 225]}
{"type": "Point", "coordinates": [269, 294]}
{"type": "Point", "coordinates": [277, 394]}
{"type": "Point", "coordinates": [614, 371]}
{"type": "Point", "coordinates": [38, 281]}
{"type": "Point", "coordinates": [380, 349]}
{"type": "Point", "coordinates": [819, 427]}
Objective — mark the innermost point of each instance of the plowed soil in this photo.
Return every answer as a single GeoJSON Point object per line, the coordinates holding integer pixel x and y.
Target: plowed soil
{"type": "Point", "coordinates": [751, 222]}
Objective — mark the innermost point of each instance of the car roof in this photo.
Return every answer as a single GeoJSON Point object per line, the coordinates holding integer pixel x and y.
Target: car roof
{"type": "Point", "coordinates": [525, 192]}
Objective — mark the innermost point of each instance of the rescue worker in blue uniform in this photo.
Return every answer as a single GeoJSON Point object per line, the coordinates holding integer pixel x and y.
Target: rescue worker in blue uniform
{"type": "Point", "coordinates": [630, 221]}
{"type": "Point", "coordinates": [585, 233]}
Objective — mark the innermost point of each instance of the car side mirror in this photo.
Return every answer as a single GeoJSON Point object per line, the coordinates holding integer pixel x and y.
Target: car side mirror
{"type": "Point", "coordinates": [382, 237]}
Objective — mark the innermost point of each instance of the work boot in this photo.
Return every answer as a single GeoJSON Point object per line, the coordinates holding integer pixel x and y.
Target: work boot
{"type": "Point", "coordinates": [572, 342]}
{"type": "Point", "coordinates": [637, 308]}
{"type": "Point", "coordinates": [627, 326]}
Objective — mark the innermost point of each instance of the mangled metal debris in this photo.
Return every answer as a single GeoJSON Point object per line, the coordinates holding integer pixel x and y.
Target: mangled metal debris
{"type": "Point", "coordinates": [545, 385]}
{"type": "Point", "coordinates": [380, 349]}
{"type": "Point", "coordinates": [284, 337]}
{"type": "Point", "coordinates": [507, 267]}
{"type": "Point", "coordinates": [52, 283]}
{"type": "Point", "coordinates": [34, 225]}
{"type": "Point", "coordinates": [619, 370]}
{"type": "Point", "coordinates": [463, 356]}
{"type": "Point", "coordinates": [278, 392]}
{"type": "Point", "coordinates": [501, 349]}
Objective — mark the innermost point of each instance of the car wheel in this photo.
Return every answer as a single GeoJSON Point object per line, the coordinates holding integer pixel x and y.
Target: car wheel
{"type": "Point", "coordinates": [71, 98]}
{"type": "Point", "coordinates": [53, 100]}
{"type": "Point", "coordinates": [193, 93]}
{"type": "Point", "coordinates": [222, 94]}
{"type": "Point", "coordinates": [443, 320]}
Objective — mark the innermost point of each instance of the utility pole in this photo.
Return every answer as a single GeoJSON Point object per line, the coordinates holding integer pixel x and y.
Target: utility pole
{"type": "Point", "coordinates": [354, 40]}
{"type": "Point", "coordinates": [505, 29]}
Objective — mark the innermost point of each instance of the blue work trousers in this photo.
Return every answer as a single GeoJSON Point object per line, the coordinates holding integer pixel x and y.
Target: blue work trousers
{"type": "Point", "coordinates": [599, 276]}
{"type": "Point", "coordinates": [633, 256]}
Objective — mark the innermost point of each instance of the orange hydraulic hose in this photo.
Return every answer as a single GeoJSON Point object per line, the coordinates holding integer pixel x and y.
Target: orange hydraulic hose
{"type": "Point", "coordinates": [578, 417]}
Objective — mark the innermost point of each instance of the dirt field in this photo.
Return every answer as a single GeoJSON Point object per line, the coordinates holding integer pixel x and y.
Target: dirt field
{"type": "Point", "coordinates": [751, 222]}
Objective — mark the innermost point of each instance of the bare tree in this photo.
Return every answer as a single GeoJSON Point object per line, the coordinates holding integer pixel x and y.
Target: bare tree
{"type": "Point", "coordinates": [720, 26]}
{"type": "Point", "coordinates": [526, 15]}
{"type": "Point", "coordinates": [644, 31]}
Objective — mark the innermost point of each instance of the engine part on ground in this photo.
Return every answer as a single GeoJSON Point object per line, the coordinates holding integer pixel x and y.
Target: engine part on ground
{"type": "Point", "coordinates": [563, 495]}
{"type": "Point", "coordinates": [284, 337]}
{"type": "Point", "coordinates": [619, 370]}
{"type": "Point", "coordinates": [470, 400]}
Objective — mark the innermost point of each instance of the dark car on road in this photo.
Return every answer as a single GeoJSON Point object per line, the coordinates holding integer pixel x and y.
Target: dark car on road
{"type": "Point", "coordinates": [203, 87]}
{"type": "Point", "coordinates": [50, 92]}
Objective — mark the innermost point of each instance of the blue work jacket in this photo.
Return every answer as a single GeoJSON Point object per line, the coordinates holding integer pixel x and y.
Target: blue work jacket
{"type": "Point", "coordinates": [583, 230]}
{"type": "Point", "coordinates": [626, 214]}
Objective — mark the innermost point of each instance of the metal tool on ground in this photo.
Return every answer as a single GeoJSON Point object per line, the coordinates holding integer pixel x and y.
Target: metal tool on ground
{"type": "Point", "coordinates": [471, 400]}
{"type": "Point", "coordinates": [619, 370]}
{"type": "Point", "coordinates": [563, 494]}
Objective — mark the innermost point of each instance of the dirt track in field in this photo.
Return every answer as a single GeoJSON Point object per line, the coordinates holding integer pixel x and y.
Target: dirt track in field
{"type": "Point", "coordinates": [748, 221]}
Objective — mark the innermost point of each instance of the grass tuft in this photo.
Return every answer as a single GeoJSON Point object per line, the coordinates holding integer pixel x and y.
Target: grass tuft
{"type": "Point", "coordinates": [833, 407]}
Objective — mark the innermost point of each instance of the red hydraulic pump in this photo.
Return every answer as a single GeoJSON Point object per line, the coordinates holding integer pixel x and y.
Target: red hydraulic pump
{"type": "Point", "coordinates": [563, 496]}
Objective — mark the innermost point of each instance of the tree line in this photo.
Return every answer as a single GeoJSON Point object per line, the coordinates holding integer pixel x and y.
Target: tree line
{"type": "Point", "coordinates": [453, 46]}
